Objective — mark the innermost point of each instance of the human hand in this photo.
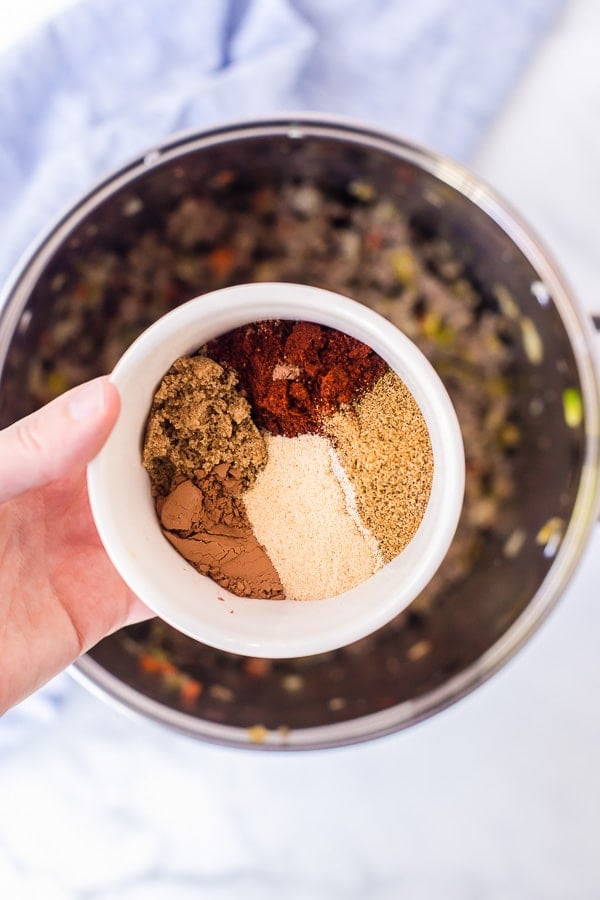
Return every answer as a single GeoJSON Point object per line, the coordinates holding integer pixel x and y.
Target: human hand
{"type": "Point", "coordinates": [59, 593]}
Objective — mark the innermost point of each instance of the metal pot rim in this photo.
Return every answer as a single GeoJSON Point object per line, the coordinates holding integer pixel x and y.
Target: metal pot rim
{"type": "Point", "coordinates": [295, 126]}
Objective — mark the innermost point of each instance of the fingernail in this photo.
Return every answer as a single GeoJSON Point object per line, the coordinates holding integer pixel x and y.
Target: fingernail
{"type": "Point", "coordinates": [87, 401]}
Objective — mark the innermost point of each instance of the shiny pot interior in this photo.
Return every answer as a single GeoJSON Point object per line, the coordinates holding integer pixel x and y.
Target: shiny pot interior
{"type": "Point", "coordinates": [290, 201]}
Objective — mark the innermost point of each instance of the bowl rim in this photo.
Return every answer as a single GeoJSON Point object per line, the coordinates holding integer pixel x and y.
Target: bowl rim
{"type": "Point", "coordinates": [297, 125]}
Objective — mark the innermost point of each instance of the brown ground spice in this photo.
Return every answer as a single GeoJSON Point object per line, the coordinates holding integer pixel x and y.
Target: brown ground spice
{"type": "Point", "coordinates": [294, 373]}
{"type": "Point", "coordinates": [201, 450]}
{"type": "Point", "coordinates": [198, 420]}
{"type": "Point", "coordinates": [383, 443]}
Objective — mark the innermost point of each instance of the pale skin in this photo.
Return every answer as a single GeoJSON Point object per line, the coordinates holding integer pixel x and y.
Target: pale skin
{"type": "Point", "coordinates": [59, 593]}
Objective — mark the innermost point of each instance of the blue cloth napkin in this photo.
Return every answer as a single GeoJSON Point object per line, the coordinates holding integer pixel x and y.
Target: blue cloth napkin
{"type": "Point", "coordinates": [108, 78]}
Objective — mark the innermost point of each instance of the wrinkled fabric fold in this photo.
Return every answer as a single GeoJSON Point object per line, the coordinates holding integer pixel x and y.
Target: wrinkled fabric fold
{"type": "Point", "coordinates": [107, 79]}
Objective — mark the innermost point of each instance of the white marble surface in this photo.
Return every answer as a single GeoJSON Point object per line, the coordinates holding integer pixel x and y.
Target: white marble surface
{"type": "Point", "coordinates": [499, 797]}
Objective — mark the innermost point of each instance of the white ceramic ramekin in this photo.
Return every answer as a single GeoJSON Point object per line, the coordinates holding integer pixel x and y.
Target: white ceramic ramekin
{"type": "Point", "coordinates": [124, 513]}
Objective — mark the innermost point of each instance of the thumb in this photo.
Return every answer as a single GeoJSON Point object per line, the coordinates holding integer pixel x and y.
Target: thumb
{"type": "Point", "coordinates": [55, 440]}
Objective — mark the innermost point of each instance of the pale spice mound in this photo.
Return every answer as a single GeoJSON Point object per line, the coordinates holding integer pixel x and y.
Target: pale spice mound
{"type": "Point", "coordinates": [383, 442]}
{"type": "Point", "coordinates": [199, 419]}
{"type": "Point", "coordinates": [298, 513]}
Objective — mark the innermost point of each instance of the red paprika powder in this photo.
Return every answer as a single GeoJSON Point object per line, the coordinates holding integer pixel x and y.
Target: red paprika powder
{"type": "Point", "coordinates": [296, 373]}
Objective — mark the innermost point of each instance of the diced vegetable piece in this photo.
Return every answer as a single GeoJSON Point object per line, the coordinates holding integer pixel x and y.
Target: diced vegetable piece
{"type": "Point", "coordinates": [572, 407]}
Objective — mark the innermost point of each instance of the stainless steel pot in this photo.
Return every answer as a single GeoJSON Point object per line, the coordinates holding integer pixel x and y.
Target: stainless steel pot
{"type": "Point", "coordinates": [474, 618]}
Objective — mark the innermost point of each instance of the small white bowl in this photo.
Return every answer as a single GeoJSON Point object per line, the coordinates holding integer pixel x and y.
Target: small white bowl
{"type": "Point", "coordinates": [128, 526]}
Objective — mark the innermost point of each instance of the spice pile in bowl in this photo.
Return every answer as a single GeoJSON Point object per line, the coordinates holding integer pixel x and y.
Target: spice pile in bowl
{"type": "Point", "coordinates": [287, 460]}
